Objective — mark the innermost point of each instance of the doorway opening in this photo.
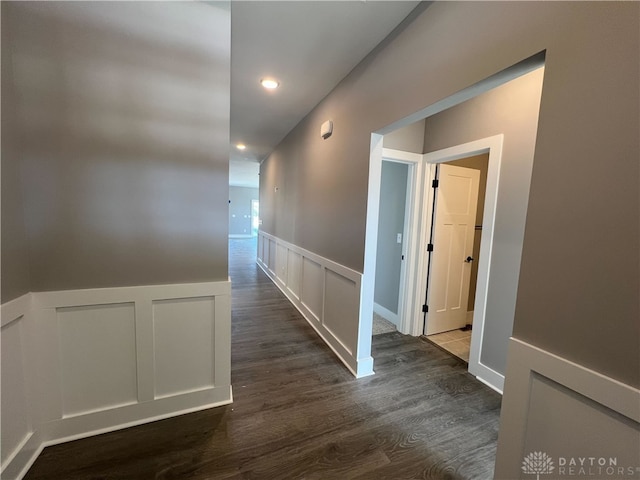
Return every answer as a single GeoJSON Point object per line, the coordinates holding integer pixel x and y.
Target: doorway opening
{"type": "Point", "coordinates": [395, 189]}
{"type": "Point", "coordinates": [452, 273]}
{"type": "Point", "coordinates": [244, 214]}
{"type": "Point", "coordinates": [502, 109]}
{"type": "Point", "coordinates": [493, 147]}
{"type": "Point", "coordinates": [398, 222]}
{"type": "Point", "coordinates": [255, 217]}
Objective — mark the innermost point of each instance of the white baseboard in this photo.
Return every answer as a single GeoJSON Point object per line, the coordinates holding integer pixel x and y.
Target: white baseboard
{"type": "Point", "coordinates": [161, 350]}
{"type": "Point", "coordinates": [566, 411]}
{"type": "Point", "coordinates": [326, 293]}
{"type": "Point", "coordinates": [486, 374]}
{"type": "Point", "coordinates": [480, 370]}
{"type": "Point", "coordinates": [386, 313]}
{"type": "Point", "coordinates": [67, 430]}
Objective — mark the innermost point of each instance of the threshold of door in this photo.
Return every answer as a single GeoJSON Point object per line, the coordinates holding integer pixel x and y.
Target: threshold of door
{"type": "Point", "coordinates": [454, 342]}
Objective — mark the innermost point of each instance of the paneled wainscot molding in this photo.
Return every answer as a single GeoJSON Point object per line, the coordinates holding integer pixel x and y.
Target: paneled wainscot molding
{"type": "Point", "coordinates": [560, 409]}
{"type": "Point", "coordinates": [78, 363]}
{"type": "Point", "coordinates": [326, 293]}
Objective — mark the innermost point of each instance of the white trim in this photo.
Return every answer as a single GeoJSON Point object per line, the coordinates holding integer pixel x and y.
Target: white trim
{"type": "Point", "coordinates": [18, 466]}
{"type": "Point", "coordinates": [492, 387]}
{"type": "Point", "coordinates": [67, 430]}
{"type": "Point", "coordinates": [525, 358]}
{"type": "Point", "coordinates": [365, 320]}
{"type": "Point", "coordinates": [410, 309]}
{"type": "Point", "coordinates": [404, 286]}
{"type": "Point", "coordinates": [241, 235]}
{"type": "Point", "coordinates": [18, 451]}
{"type": "Point", "coordinates": [100, 296]}
{"type": "Point", "coordinates": [492, 145]}
{"type": "Point", "coordinates": [40, 317]}
{"type": "Point", "coordinates": [423, 257]}
{"type": "Point", "coordinates": [401, 156]}
{"type": "Point", "coordinates": [487, 375]}
{"type": "Point", "coordinates": [20, 463]}
{"type": "Point", "coordinates": [385, 313]}
{"type": "Point", "coordinates": [327, 263]}
{"type": "Point", "coordinates": [408, 293]}
{"type": "Point", "coordinates": [345, 346]}
{"type": "Point", "coordinates": [15, 313]}
{"type": "Point", "coordinates": [524, 362]}
{"type": "Point", "coordinates": [14, 309]}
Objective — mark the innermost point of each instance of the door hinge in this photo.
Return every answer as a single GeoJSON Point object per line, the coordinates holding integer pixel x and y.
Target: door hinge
{"type": "Point", "coordinates": [425, 308]}
{"type": "Point", "coordinates": [402, 257]}
{"type": "Point", "coordinates": [435, 183]}
{"type": "Point", "coordinates": [430, 247]}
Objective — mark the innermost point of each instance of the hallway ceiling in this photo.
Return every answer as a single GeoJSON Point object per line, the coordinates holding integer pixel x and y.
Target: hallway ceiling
{"type": "Point", "coordinates": [308, 46]}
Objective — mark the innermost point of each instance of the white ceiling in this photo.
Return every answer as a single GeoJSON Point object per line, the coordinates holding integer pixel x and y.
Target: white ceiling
{"type": "Point", "coordinates": [309, 46]}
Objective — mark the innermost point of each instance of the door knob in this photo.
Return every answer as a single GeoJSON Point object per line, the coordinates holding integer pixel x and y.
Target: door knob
{"type": "Point", "coordinates": [469, 259]}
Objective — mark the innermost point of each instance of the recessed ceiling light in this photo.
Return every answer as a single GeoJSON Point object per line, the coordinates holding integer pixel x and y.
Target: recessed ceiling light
{"type": "Point", "coordinates": [241, 146]}
{"type": "Point", "coordinates": [269, 83]}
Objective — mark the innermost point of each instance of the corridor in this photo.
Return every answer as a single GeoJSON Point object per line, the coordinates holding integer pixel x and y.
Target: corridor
{"type": "Point", "coordinates": [298, 413]}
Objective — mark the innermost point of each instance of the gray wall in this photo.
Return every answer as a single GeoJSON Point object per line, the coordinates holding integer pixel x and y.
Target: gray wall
{"type": "Point", "coordinates": [240, 209]}
{"type": "Point", "coordinates": [408, 139]}
{"type": "Point", "coordinates": [574, 299]}
{"type": "Point", "coordinates": [15, 260]}
{"type": "Point", "coordinates": [511, 109]}
{"type": "Point", "coordinates": [119, 155]}
{"type": "Point", "coordinates": [393, 194]}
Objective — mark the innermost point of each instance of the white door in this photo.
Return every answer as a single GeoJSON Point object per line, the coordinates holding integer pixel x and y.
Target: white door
{"type": "Point", "coordinates": [454, 228]}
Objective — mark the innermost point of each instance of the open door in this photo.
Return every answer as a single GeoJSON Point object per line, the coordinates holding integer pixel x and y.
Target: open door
{"type": "Point", "coordinates": [456, 200]}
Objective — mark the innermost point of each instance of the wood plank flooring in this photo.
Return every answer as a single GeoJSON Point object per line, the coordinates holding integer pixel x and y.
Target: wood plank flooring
{"type": "Point", "coordinates": [299, 414]}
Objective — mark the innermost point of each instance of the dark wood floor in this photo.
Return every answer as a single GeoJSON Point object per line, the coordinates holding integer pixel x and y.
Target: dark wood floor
{"type": "Point", "coordinates": [299, 414]}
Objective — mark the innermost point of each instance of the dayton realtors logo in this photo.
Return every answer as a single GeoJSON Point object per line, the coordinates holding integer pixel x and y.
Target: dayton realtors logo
{"type": "Point", "coordinates": [537, 463]}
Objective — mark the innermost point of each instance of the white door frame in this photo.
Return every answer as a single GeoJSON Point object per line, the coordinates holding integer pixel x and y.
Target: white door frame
{"type": "Point", "coordinates": [377, 152]}
{"type": "Point", "coordinates": [420, 227]}
{"type": "Point", "coordinates": [411, 230]}
{"type": "Point", "coordinates": [493, 146]}
{"type": "Point", "coordinates": [449, 318]}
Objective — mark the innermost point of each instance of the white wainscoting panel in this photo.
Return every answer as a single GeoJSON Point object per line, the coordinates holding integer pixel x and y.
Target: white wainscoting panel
{"type": "Point", "coordinates": [343, 306]}
{"type": "Point", "coordinates": [98, 360]}
{"type": "Point", "coordinates": [20, 442]}
{"type": "Point", "coordinates": [97, 357]}
{"type": "Point", "coordinates": [281, 264]}
{"type": "Point", "coordinates": [327, 294]}
{"type": "Point", "coordinates": [312, 288]}
{"type": "Point", "coordinates": [294, 273]}
{"type": "Point", "coordinates": [16, 418]}
{"type": "Point", "coordinates": [272, 256]}
{"type": "Point", "coordinates": [566, 411]}
{"type": "Point", "coordinates": [183, 332]}
{"type": "Point", "coordinates": [561, 409]}
{"type": "Point", "coordinates": [260, 254]}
